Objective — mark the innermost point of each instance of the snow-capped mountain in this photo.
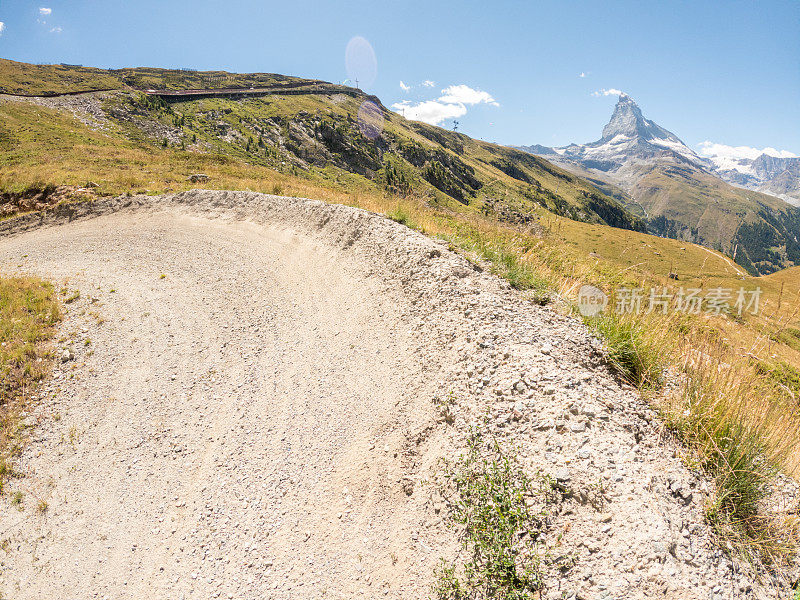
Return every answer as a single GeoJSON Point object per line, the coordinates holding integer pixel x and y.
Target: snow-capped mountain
{"type": "Point", "coordinates": [631, 142]}
{"type": "Point", "coordinates": [628, 136]}
{"type": "Point", "coordinates": [774, 175]}
{"type": "Point", "coordinates": [683, 195]}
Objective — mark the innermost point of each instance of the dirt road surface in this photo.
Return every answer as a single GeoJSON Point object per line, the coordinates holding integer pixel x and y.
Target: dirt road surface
{"type": "Point", "coordinates": [237, 427]}
{"type": "Point", "coordinates": [253, 410]}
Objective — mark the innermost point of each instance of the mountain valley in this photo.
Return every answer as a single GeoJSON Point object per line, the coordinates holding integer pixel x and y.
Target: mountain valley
{"type": "Point", "coordinates": [685, 196]}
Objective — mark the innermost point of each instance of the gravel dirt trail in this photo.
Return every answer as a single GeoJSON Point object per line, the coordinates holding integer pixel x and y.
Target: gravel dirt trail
{"type": "Point", "coordinates": [235, 429]}
{"type": "Point", "coordinates": [252, 409]}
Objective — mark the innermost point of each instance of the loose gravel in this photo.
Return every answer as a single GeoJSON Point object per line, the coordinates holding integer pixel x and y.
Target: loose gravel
{"type": "Point", "coordinates": [249, 406]}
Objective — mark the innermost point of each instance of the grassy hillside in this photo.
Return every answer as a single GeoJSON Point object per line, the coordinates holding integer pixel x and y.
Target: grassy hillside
{"type": "Point", "coordinates": [28, 79]}
{"type": "Point", "coordinates": [308, 132]}
{"type": "Point", "coordinates": [310, 126]}
{"type": "Point", "coordinates": [24, 78]}
{"type": "Point", "coordinates": [759, 231]}
{"type": "Point", "coordinates": [735, 379]}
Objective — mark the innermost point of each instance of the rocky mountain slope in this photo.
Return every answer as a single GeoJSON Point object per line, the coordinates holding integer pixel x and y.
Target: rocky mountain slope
{"type": "Point", "coordinates": [627, 137]}
{"type": "Point", "coordinates": [683, 195]}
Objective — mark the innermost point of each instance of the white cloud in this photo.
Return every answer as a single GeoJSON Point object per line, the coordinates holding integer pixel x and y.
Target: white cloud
{"type": "Point", "coordinates": [463, 94]}
{"type": "Point", "coordinates": [608, 92]}
{"type": "Point", "coordinates": [56, 30]}
{"type": "Point", "coordinates": [450, 105]}
{"type": "Point", "coordinates": [430, 111]}
{"type": "Point", "coordinates": [2, 27]}
{"type": "Point", "coordinates": [404, 87]}
{"type": "Point", "coordinates": [428, 83]}
{"type": "Point", "coordinates": [45, 12]}
{"type": "Point", "coordinates": [727, 157]}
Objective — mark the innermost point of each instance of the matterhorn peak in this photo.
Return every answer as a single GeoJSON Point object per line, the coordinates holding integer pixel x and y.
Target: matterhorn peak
{"type": "Point", "coordinates": [627, 119]}
{"type": "Point", "coordinates": [627, 136]}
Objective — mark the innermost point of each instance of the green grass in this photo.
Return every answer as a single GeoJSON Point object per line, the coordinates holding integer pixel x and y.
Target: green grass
{"type": "Point", "coordinates": [509, 265]}
{"type": "Point", "coordinates": [735, 455]}
{"type": "Point", "coordinates": [632, 349]}
{"type": "Point", "coordinates": [783, 375]}
{"type": "Point", "coordinates": [29, 311]}
{"type": "Point", "coordinates": [501, 513]}
{"type": "Point", "coordinates": [402, 216]}
{"type": "Point", "coordinates": [23, 78]}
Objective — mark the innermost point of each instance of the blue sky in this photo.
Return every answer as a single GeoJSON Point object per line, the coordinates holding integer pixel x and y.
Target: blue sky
{"type": "Point", "coordinates": [728, 72]}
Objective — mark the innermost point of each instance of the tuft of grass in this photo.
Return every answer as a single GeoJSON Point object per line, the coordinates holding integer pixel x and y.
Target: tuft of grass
{"type": "Point", "coordinates": [782, 374]}
{"type": "Point", "coordinates": [510, 266]}
{"type": "Point", "coordinates": [635, 351]}
{"type": "Point", "coordinates": [401, 215]}
{"type": "Point", "coordinates": [502, 513]}
{"type": "Point", "coordinates": [29, 311]}
{"type": "Point", "coordinates": [41, 506]}
{"type": "Point", "coordinates": [72, 297]}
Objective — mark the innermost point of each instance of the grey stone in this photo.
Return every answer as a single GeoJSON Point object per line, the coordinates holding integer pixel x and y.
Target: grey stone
{"type": "Point", "coordinates": [562, 475]}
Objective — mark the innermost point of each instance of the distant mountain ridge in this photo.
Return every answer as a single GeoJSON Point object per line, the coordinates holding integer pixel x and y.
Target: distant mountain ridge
{"type": "Point", "coordinates": [683, 195]}
{"type": "Point", "coordinates": [773, 175]}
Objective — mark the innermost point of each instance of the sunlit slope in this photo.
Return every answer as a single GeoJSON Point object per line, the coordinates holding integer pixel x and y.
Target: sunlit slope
{"type": "Point", "coordinates": [308, 125]}
{"type": "Point", "coordinates": [683, 202]}
{"type": "Point", "coordinates": [24, 78]}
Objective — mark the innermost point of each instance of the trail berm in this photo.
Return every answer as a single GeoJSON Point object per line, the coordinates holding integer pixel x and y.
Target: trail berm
{"type": "Point", "coordinates": [253, 412]}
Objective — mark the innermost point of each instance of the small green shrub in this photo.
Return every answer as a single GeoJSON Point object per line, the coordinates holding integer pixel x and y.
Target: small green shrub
{"type": "Point", "coordinates": [402, 216]}
{"type": "Point", "coordinates": [503, 513]}
{"type": "Point", "coordinates": [510, 266]}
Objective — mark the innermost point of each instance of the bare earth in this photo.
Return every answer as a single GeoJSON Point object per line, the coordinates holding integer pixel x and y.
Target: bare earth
{"type": "Point", "coordinates": [260, 422]}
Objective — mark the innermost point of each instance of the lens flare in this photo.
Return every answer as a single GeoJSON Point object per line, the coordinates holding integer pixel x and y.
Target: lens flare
{"type": "Point", "coordinates": [361, 62]}
{"type": "Point", "coordinates": [370, 119]}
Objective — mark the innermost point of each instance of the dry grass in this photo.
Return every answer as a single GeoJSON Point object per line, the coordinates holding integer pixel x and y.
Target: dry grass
{"type": "Point", "coordinates": [735, 404]}
{"type": "Point", "coordinates": [738, 419]}
{"type": "Point", "coordinates": [739, 423]}
{"type": "Point", "coordinates": [740, 441]}
{"type": "Point", "coordinates": [29, 311]}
